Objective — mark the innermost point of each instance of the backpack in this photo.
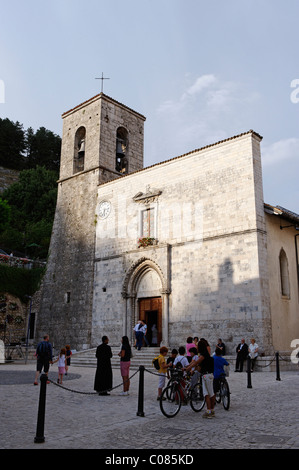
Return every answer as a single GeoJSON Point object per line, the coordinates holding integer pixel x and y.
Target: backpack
{"type": "Point", "coordinates": [42, 349]}
{"type": "Point", "coordinates": [155, 363]}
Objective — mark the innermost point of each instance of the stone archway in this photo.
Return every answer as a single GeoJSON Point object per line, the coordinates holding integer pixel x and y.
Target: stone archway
{"type": "Point", "coordinates": [145, 280]}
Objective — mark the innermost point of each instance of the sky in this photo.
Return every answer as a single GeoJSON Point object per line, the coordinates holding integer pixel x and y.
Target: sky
{"type": "Point", "coordinates": [199, 71]}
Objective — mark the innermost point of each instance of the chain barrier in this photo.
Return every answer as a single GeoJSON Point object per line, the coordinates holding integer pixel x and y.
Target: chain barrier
{"type": "Point", "coordinates": [92, 393]}
{"type": "Point", "coordinates": [266, 365]}
{"type": "Point", "coordinates": [283, 359]}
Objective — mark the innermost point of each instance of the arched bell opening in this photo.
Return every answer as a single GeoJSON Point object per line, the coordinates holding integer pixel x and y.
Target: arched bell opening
{"type": "Point", "coordinates": [122, 143]}
{"type": "Point", "coordinates": [79, 149]}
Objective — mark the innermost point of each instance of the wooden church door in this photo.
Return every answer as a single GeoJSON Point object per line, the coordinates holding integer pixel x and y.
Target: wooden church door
{"type": "Point", "coordinates": [150, 310]}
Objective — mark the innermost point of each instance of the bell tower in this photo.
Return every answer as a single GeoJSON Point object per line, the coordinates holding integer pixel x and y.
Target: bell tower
{"type": "Point", "coordinates": [102, 140]}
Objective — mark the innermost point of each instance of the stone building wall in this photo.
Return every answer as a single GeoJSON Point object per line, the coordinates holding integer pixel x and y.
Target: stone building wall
{"type": "Point", "coordinates": [284, 308]}
{"type": "Point", "coordinates": [210, 251]}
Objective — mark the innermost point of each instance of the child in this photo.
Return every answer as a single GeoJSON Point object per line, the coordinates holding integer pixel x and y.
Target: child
{"type": "Point", "coordinates": [192, 368]}
{"type": "Point", "coordinates": [182, 362]}
{"type": "Point", "coordinates": [61, 365]}
{"type": "Point", "coordinates": [162, 370]}
{"type": "Point", "coordinates": [219, 362]}
{"type": "Point", "coordinates": [68, 358]}
{"type": "Point", "coordinates": [181, 358]}
{"type": "Point", "coordinates": [190, 344]}
{"type": "Point", "coordinates": [171, 359]}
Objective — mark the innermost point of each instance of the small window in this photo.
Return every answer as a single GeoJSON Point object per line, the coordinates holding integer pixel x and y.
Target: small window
{"type": "Point", "coordinates": [284, 274]}
{"type": "Point", "coordinates": [121, 162]}
{"type": "Point", "coordinates": [148, 223]}
{"type": "Point", "coordinates": [79, 151]}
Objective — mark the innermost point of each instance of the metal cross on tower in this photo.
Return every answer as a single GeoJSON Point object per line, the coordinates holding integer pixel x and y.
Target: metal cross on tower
{"type": "Point", "coordinates": [102, 78]}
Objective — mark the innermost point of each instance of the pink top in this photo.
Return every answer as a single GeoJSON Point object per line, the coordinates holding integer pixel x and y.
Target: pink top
{"type": "Point", "coordinates": [189, 346]}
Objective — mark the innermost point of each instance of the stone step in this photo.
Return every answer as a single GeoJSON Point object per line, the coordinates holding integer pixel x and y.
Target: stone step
{"type": "Point", "coordinates": [143, 357]}
{"type": "Point", "coordinates": [146, 355]}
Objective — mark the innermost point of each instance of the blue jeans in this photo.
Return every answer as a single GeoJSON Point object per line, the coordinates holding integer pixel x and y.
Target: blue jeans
{"type": "Point", "coordinates": [139, 338]}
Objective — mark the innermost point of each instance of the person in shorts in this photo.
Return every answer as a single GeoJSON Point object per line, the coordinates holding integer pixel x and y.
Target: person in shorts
{"type": "Point", "coordinates": [44, 355]}
{"type": "Point", "coordinates": [163, 369]}
{"type": "Point", "coordinates": [61, 365]}
{"type": "Point", "coordinates": [125, 362]}
{"type": "Point", "coordinates": [206, 363]}
{"type": "Point", "coordinates": [68, 358]}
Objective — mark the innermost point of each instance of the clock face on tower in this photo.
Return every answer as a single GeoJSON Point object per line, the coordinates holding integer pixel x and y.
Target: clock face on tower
{"type": "Point", "coordinates": [104, 209]}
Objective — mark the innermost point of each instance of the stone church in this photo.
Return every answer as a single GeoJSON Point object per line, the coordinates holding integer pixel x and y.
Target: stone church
{"type": "Point", "coordinates": [188, 244]}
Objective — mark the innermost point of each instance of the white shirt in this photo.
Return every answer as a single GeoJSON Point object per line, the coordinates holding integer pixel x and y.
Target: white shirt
{"type": "Point", "coordinates": [253, 350]}
{"type": "Point", "coordinates": [182, 359]}
{"type": "Point", "coordinates": [61, 361]}
{"type": "Point", "coordinates": [194, 358]}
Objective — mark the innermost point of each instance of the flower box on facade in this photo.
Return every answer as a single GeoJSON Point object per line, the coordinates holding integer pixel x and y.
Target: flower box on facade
{"type": "Point", "coordinates": [146, 241]}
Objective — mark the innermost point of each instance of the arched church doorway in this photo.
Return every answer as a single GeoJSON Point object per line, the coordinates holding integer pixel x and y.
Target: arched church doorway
{"type": "Point", "coordinates": [150, 311]}
{"type": "Point", "coordinates": [146, 294]}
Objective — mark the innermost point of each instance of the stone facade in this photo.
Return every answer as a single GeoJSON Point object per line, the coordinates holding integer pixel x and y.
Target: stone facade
{"type": "Point", "coordinates": [210, 251]}
{"type": "Point", "coordinates": [283, 238]}
{"type": "Point", "coordinates": [203, 267]}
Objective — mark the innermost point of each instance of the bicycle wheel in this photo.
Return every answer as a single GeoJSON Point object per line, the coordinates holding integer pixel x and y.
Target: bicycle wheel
{"type": "Point", "coordinates": [218, 396]}
{"type": "Point", "coordinates": [225, 395]}
{"type": "Point", "coordinates": [197, 400]}
{"type": "Point", "coordinates": [170, 401]}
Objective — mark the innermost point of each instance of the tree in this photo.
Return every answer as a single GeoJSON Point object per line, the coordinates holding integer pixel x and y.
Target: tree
{"type": "Point", "coordinates": [32, 201]}
{"type": "Point", "coordinates": [12, 144]}
{"type": "Point", "coordinates": [5, 212]}
{"type": "Point", "coordinates": [43, 149]}
{"type": "Point", "coordinates": [21, 149]}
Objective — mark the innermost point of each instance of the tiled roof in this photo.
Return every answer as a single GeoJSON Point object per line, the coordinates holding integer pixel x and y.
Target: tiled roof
{"type": "Point", "coordinates": [282, 212]}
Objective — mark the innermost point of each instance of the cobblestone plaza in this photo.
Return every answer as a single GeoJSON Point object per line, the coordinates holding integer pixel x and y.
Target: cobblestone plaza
{"type": "Point", "coordinates": [262, 417]}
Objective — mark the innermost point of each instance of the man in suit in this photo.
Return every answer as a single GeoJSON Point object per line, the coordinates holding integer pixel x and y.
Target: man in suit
{"type": "Point", "coordinates": [242, 353]}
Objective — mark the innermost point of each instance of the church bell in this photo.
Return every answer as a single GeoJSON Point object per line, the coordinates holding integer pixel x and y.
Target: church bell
{"type": "Point", "coordinates": [81, 148]}
{"type": "Point", "coordinates": [120, 148]}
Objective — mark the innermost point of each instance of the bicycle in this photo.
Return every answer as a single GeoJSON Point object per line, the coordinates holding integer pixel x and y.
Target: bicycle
{"type": "Point", "coordinates": [222, 392]}
{"type": "Point", "coordinates": [174, 394]}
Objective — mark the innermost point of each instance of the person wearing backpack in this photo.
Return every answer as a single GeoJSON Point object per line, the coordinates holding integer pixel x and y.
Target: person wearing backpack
{"type": "Point", "coordinates": [162, 370]}
{"type": "Point", "coordinates": [44, 354]}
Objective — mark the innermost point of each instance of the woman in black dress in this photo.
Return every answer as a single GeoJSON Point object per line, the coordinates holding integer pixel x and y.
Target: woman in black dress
{"type": "Point", "coordinates": [103, 377]}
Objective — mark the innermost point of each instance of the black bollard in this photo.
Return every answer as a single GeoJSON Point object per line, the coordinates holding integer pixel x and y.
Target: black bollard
{"type": "Point", "coordinates": [39, 438]}
{"type": "Point", "coordinates": [249, 373]}
{"type": "Point", "coordinates": [140, 411]}
{"type": "Point", "coordinates": [277, 366]}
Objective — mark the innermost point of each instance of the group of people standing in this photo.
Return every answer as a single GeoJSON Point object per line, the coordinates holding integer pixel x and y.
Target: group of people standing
{"type": "Point", "coordinates": [244, 351]}
{"type": "Point", "coordinates": [192, 357]}
{"type": "Point", "coordinates": [44, 357]}
{"type": "Point", "coordinates": [195, 358]}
